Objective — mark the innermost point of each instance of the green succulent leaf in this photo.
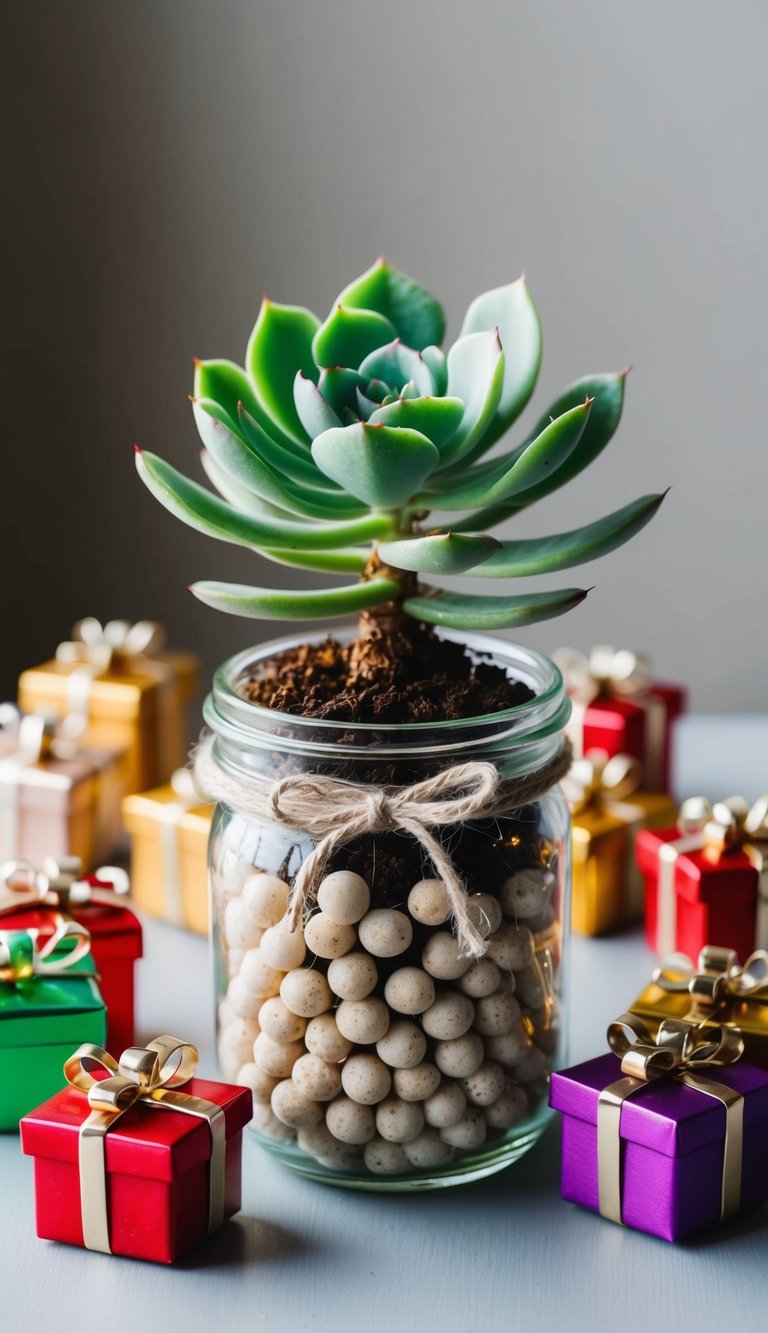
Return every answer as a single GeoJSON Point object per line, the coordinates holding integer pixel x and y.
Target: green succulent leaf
{"type": "Point", "coordinates": [398, 366]}
{"type": "Point", "coordinates": [224, 383]}
{"type": "Point", "coordinates": [463, 611]}
{"type": "Point", "coordinates": [438, 553]}
{"type": "Point", "coordinates": [347, 560]}
{"type": "Point", "coordinates": [339, 386]}
{"type": "Point", "coordinates": [543, 555]}
{"type": "Point", "coordinates": [202, 510]}
{"type": "Point", "coordinates": [476, 376]}
{"type": "Point", "coordinates": [437, 418]}
{"type": "Point", "coordinates": [608, 394]}
{"type": "Point", "coordinates": [347, 336]}
{"type": "Point", "coordinates": [284, 604]}
{"type": "Point", "coordinates": [510, 310]}
{"type": "Point", "coordinates": [237, 495]}
{"type": "Point", "coordinates": [380, 465]}
{"type": "Point", "coordinates": [281, 344]}
{"type": "Point", "coordinates": [314, 411]}
{"type": "Point", "coordinates": [417, 316]}
{"type": "Point", "coordinates": [436, 359]}
{"type": "Point", "coordinates": [300, 470]}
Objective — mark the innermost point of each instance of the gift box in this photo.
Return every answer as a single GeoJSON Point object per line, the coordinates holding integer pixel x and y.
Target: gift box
{"type": "Point", "coordinates": [130, 694]}
{"type": "Point", "coordinates": [169, 829]}
{"type": "Point", "coordinates": [148, 1178]}
{"type": "Point", "coordinates": [49, 998]}
{"type": "Point", "coordinates": [608, 812]}
{"type": "Point", "coordinates": [663, 1139]}
{"type": "Point", "coordinates": [57, 796]}
{"type": "Point", "coordinates": [715, 991]}
{"type": "Point", "coordinates": [617, 707]}
{"type": "Point", "coordinates": [706, 879]}
{"type": "Point", "coordinates": [32, 899]}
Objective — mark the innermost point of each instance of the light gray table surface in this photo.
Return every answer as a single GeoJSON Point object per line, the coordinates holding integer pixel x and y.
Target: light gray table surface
{"type": "Point", "coordinates": [505, 1254]}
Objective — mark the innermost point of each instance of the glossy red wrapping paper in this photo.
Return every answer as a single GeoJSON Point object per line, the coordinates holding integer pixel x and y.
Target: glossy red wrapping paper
{"type": "Point", "coordinates": [619, 726]}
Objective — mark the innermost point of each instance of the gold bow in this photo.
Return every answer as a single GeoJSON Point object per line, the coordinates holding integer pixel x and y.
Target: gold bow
{"type": "Point", "coordinates": [23, 958]}
{"type": "Point", "coordinates": [680, 1050]}
{"type": "Point", "coordinates": [607, 672]}
{"type": "Point", "coordinates": [597, 780]}
{"type": "Point", "coordinates": [115, 643]}
{"type": "Point", "coordinates": [717, 977]}
{"type": "Point", "coordinates": [59, 884]}
{"type": "Point", "coordinates": [149, 1076]}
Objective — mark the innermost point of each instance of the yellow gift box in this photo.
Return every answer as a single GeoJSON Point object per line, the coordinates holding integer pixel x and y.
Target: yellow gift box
{"type": "Point", "coordinates": [169, 830]}
{"type": "Point", "coordinates": [608, 811]}
{"type": "Point", "coordinates": [128, 694]}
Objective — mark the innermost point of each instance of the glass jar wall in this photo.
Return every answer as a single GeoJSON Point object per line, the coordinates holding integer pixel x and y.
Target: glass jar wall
{"type": "Point", "coordinates": [379, 1058]}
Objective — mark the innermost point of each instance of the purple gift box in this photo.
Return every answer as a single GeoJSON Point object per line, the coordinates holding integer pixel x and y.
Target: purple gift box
{"type": "Point", "coordinates": [672, 1141]}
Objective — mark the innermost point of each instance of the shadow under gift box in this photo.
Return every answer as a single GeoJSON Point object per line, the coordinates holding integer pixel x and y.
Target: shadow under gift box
{"type": "Point", "coordinates": [672, 1143]}
{"type": "Point", "coordinates": [157, 1165]}
{"type": "Point", "coordinates": [41, 1019]}
{"type": "Point", "coordinates": [169, 856]}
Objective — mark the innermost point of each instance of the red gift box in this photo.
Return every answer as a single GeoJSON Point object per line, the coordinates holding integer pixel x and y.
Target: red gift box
{"type": "Point", "coordinates": [698, 893]}
{"type": "Point", "coordinates": [158, 1165]}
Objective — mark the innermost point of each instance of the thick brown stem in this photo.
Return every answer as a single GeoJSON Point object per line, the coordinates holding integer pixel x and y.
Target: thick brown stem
{"type": "Point", "coordinates": [389, 618]}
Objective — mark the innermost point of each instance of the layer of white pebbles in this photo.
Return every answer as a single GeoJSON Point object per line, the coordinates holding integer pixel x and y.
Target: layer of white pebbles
{"type": "Point", "coordinates": [373, 1067]}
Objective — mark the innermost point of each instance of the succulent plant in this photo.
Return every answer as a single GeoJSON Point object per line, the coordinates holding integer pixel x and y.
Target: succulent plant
{"type": "Point", "coordinates": [337, 443]}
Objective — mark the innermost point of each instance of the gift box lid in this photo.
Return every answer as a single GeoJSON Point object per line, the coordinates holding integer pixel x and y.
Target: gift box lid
{"type": "Point", "coordinates": [666, 1115]}
{"type": "Point", "coordinates": [116, 931]}
{"type": "Point", "coordinates": [700, 877]}
{"type": "Point", "coordinates": [50, 785]}
{"type": "Point", "coordinates": [52, 1000]}
{"type": "Point", "coordinates": [148, 1141]}
{"type": "Point", "coordinates": [142, 811]}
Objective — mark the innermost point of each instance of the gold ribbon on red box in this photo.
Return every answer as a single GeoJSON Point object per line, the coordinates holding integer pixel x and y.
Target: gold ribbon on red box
{"type": "Point", "coordinates": [615, 673]}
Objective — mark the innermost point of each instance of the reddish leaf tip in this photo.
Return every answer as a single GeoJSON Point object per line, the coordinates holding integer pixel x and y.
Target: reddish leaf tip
{"type": "Point", "coordinates": [196, 361]}
{"type": "Point", "coordinates": [137, 449]}
{"type": "Point", "coordinates": [626, 371]}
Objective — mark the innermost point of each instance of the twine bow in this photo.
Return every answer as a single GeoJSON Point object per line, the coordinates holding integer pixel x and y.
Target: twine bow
{"type": "Point", "coordinates": [117, 642]}
{"type": "Point", "coordinates": [22, 957]}
{"type": "Point", "coordinates": [717, 977]}
{"type": "Point", "coordinates": [150, 1076]}
{"type": "Point", "coordinates": [683, 1051]}
{"type": "Point", "coordinates": [60, 884]}
{"type": "Point", "coordinates": [607, 672]}
{"type": "Point", "coordinates": [596, 780]}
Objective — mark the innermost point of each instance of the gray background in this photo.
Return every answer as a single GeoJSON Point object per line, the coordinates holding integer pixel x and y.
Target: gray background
{"type": "Point", "coordinates": [169, 161]}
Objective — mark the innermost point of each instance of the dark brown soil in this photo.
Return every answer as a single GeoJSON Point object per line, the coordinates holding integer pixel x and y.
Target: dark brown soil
{"type": "Point", "coordinates": [389, 675]}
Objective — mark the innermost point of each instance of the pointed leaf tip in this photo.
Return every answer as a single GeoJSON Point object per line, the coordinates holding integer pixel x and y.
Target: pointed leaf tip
{"type": "Point", "coordinates": [137, 449]}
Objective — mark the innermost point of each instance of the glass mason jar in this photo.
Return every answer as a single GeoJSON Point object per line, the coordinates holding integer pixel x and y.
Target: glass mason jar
{"type": "Point", "coordinates": [440, 1073]}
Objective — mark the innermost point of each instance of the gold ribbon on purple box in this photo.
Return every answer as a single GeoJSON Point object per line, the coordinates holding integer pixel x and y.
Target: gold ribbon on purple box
{"type": "Point", "coordinates": [615, 673]}
{"type": "Point", "coordinates": [148, 1076]}
{"type": "Point", "coordinates": [681, 1051]}
{"type": "Point", "coordinates": [727, 826]}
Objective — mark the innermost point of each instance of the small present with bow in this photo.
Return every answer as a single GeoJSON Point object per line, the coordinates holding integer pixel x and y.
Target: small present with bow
{"type": "Point", "coordinates": [117, 686]}
{"type": "Point", "coordinates": [40, 896]}
{"type": "Point", "coordinates": [706, 878]}
{"type": "Point", "coordinates": [616, 706]}
{"type": "Point", "coordinates": [667, 1132]}
{"type": "Point", "coordinates": [608, 810]}
{"type": "Point", "coordinates": [169, 829]}
{"type": "Point", "coordinates": [136, 1156]}
{"type": "Point", "coordinates": [49, 997]}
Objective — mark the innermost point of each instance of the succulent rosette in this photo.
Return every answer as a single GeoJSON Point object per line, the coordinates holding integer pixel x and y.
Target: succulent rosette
{"type": "Point", "coordinates": [338, 443]}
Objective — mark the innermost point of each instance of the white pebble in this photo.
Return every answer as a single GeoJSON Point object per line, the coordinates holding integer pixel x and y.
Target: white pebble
{"type": "Point", "coordinates": [450, 1016]}
{"type": "Point", "coordinates": [409, 990]}
{"type": "Point", "coordinates": [496, 1014]}
{"type": "Point", "coordinates": [350, 1122]}
{"type": "Point", "coordinates": [279, 1023]}
{"type": "Point", "coordinates": [316, 1078]}
{"type": "Point", "coordinates": [530, 987]}
{"type": "Point", "coordinates": [445, 1106]}
{"type": "Point", "coordinates": [530, 1065]}
{"type": "Point", "coordinates": [486, 1085]}
{"type": "Point", "coordinates": [266, 1122]}
{"type": "Point", "coordinates": [344, 897]}
{"type": "Point", "coordinates": [241, 1002]}
{"type": "Point", "coordinates": [228, 1065]}
{"type": "Point", "coordinates": [398, 1121]}
{"type": "Point", "coordinates": [274, 1058]}
{"type": "Point", "coordinates": [481, 979]}
{"type": "Point", "coordinates": [365, 1078]}
{"type": "Point", "coordinates": [327, 938]}
{"type": "Point", "coordinates": [417, 1083]}
{"type": "Point", "coordinates": [306, 992]}
{"type": "Point", "coordinates": [292, 1108]}
{"type": "Point", "coordinates": [510, 946]}
{"type": "Point", "coordinates": [323, 1038]}
{"type": "Point", "coordinates": [348, 1159]}
{"type": "Point", "coordinates": [507, 1047]}
{"type": "Point", "coordinates": [266, 899]}
{"type": "Point", "coordinates": [468, 1132]}
{"type": "Point", "coordinates": [234, 960]}
{"type": "Point", "coordinates": [385, 932]}
{"type": "Point", "coordinates": [428, 902]}
{"type": "Point", "coordinates": [320, 1142]}
{"type": "Point", "coordinates": [239, 927]}
{"type": "Point", "coordinates": [258, 976]}
{"type": "Point", "coordinates": [237, 1038]}
{"type": "Point", "coordinates": [385, 1159]}
{"type": "Point", "coordinates": [527, 892]}
{"type": "Point", "coordinates": [283, 948]}
{"type": "Point", "coordinates": [461, 1057]}
{"type": "Point", "coordinates": [261, 1085]}
{"type": "Point", "coordinates": [428, 1150]}
{"type": "Point", "coordinates": [363, 1021]}
{"type": "Point", "coordinates": [353, 977]}
{"type": "Point", "coordinates": [441, 957]}
{"type": "Point", "coordinates": [403, 1046]}
{"type": "Point", "coordinates": [484, 913]}
{"type": "Point", "coordinates": [509, 1108]}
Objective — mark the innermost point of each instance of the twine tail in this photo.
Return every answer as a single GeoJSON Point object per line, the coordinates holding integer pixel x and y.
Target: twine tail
{"type": "Point", "coordinates": [470, 941]}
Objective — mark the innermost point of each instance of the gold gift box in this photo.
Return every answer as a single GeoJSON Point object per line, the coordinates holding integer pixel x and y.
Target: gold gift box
{"type": "Point", "coordinates": [607, 888]}
{"type": "Point", "coordinates": [655, 1004]}
{"type": "Point", "coordinates": [169, 854]}
{"type": "Point", "coordinates": [139, 707]}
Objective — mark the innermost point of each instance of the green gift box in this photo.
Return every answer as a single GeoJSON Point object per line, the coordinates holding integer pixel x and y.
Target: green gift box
{"type": "Point", "coordinates": [49, 1003]}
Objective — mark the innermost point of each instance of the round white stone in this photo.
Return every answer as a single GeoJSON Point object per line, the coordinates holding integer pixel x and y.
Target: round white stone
{"type": "Point", "coordinates": [417, 1083]}
{"type": "Point", "coordinates": [279, 1023]}
{"type": "Point", "coordinates": [323, 1038]}
{"type": "Point", "coordinates": [241, 1002]}
{"type": "Point", "coordinates": [485, 1085]}
{"type": "Point", "coordinates": [511, 947]}
{"type": "Point", "coordinates": [293, 1109]}
{"type": "Point", "coordinates": [428, 902]}
{"type": "Point", "coordinates": [237, 1038]}
{"type": "Point", "coordinates": [398, 1121]}
{"type": "Point", "coordinates": [468, 1132]}
{"type": "Point", "coordinates": [450, 1016]}
{"type": "Point", "coordinates": [507, 1047]}
{"type": "Point", "coordinates": [385, 932]}
{"type": "Point", "coordinates": [496, 1014]}
{"type": "Point", "coordinates": [366, 1079]}
{"type": "Point", "coordinates": [482, 978]}
{"type": "Point", "coordinates": [530, 1065]}
{"type": "Point", "coordinates": [530, 988]}
{"type": "Point", "coordinates": [261, 1085]}
{"type": "Point", "coordinates": [409, 990]}
{"type": "Point", "coordinates": [403, 1045]}
{"type": "Point", "coordinates": [327, 938]}
{"type": "Point", "coordinates": [461, 1057]}
{"type": "Point", "coordinates": [350, 1122]}
{"type": "Point", "coordinates": [445, 1106]}
{"type": "Point", "coordinates": [316, 1079]}
{"type": "Point", "coordinates": [266, 1122]}
{"type": "Point", "coordinates": [266, 899]}
{"type": "Point", "coordinates": [385, 1159]}
{"type": "Point", "coordinates": [440, 957]}
{"type": "Point", "coordinates": [527, 892]}
{"type": "Point", "coordinates": [344, 897]}
{"type": "Point", "coordinates": [239, 927]}
{"type": "Point", "coordinates": [283, 948]}
{"type": "Point", "coordinates": [484, 913]}
{"type": "Point", "coordinates": [234, 960]}
{"type": "Point", "coordinates": [353, 977]}
{"type": "Point", "coordinates": [305, 991]}
{"type": "Point", "coordinates": [428, 1150]}
{"type": "Point", "coordinates": [509, 1108]}
{"type": "Point", "coordinates": [258, 976]}
{"type": "Point", "coordinates": [363, 1021]}
{"type": "Point", "coordinates": [320, 1142]}
{"type": "Point", "coordinates": [274, 1058]}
